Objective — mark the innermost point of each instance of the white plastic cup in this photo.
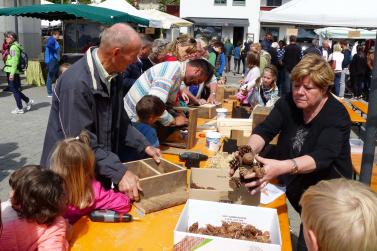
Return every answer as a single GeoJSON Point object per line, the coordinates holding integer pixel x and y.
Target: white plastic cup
{"type": "Point", "coordinates": [221, 113]}
{"type": "Point", "coordinates": [213, 141]}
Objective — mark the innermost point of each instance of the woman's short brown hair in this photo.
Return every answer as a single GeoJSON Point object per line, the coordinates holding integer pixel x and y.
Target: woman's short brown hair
{"type": "Point", "coordinates": [38, 194]}
{"type": "Point", "coordinates": [318, 70]}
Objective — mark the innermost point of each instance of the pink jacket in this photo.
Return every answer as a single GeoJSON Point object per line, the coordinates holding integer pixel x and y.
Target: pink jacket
{"type": "Point", "coordinates": [104, 199]}
{"type": "Point", "coordinates": [19, 234]}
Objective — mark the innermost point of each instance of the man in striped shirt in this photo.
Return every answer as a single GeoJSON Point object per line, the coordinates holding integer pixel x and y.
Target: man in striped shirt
{"type": "Point", "coordinates": [164, 81]}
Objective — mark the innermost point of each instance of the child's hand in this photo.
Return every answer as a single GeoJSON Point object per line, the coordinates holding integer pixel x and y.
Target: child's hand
{"type": "Point", "coordinates": [242, 81]}
{"type": "Point", "coordinates": [180, 120]}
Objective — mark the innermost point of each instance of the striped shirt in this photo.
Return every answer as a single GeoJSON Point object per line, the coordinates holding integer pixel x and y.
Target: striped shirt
{"type": "Point", "coordinates": [162, 80]}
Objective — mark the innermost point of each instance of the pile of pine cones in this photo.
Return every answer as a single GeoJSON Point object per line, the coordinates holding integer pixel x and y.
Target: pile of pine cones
{"type": "Point", "coordinates": [245, 161]}
{"type": "Point", "coordinates": [233, 230]}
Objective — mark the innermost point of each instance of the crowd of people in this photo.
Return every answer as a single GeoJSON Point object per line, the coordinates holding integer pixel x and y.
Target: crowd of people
{"type": "Point", "coordinates": [106, 110]}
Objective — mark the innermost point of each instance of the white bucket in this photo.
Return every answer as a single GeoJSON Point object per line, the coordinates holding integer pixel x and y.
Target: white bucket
{"type": "Point", "coordinates": [221, 113]}
{"type": "Point", "coordinates": [213, 141]}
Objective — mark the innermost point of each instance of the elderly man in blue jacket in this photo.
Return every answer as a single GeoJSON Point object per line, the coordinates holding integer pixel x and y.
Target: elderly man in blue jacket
{"type": "Point", "coordinates": [89, 96]}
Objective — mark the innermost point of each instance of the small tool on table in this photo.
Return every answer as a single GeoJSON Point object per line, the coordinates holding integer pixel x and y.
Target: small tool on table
{"type": "Point", "coordinates": [110, 216]}
{"type": "Point", "coordinates": [192, 159]}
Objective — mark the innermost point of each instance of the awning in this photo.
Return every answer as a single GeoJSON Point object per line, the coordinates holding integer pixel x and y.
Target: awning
{"type": "Point", "coordinates": [219, 21]}
{"type": "Point", "coordinates": [168, 21]}
{"type": "Point", "coordinates": [73, 11]}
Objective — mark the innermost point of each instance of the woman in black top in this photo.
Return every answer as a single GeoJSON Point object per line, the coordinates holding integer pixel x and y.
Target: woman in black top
{"type": "Point", "coordinates": [314, 130]}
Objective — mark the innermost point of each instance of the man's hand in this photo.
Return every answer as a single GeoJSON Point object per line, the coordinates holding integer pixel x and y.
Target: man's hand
{"type": "Point", "coordinates": [129, 184]}
{"type": "Point", "coordinates": [202, 101]}
{"type": "Point", "coordinates": [185, 97]}
{"type": "Point", "coordinates": [154, 153]}
{"type": "Point", "coordinates": [211, 99]}
{"type": "Point", "coordinates": [180, 120]}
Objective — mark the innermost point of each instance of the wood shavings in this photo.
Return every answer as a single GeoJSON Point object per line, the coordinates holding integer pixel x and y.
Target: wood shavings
{"type": "Point", "coordinates": [220, 161]}
{"type": "Point", "coordinates": [233, 230]}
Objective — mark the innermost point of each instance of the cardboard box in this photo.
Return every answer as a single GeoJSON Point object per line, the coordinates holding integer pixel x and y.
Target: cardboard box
{"type": "Point", "coordinates": [215, 186]}
{"type": "Point", "coordinates": [163, 185]}
{"type": "Point", "coordinates": [206, 212]}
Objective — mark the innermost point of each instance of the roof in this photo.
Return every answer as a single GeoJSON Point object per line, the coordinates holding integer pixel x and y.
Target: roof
{"type": "Point", "coordinates": [73, 11]}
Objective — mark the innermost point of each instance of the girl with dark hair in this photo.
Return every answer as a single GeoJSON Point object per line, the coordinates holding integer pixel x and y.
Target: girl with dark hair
{"type": "Point", "coordinates": [32, 217]}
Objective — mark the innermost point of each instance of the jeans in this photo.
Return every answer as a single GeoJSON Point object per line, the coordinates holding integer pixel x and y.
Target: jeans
{"type": "Point", "coordinates": [337, 83]}
{"type": "Point", "coordinates": [53, 70]}
{"type": "Point", "coordinates": [15, 87]}
{"type": "Point", "coordinates": [228, 60]}
{"type": "Point", "coordinates": [237, 65]}
{"type": "Point", "coordinates": [281, 80]}
{"type": "Point", "coordinates": [244, 66]}
{"type": "Point", "coordinates": [343, 79]}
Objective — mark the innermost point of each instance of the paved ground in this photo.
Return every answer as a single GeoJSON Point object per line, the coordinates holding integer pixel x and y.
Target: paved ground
{"type": "Point", "coordinates": [21, 137]}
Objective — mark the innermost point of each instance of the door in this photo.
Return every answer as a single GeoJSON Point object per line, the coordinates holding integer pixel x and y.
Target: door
{"type": "Point", "coordinates": [238, 35]}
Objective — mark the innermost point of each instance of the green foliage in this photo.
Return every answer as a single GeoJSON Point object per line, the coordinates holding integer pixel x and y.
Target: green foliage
{"type": "Point", "coordinates": [164, 3]}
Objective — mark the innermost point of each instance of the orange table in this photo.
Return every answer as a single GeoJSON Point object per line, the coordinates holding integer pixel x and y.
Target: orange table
{"type": "Point", "coordinates": [356, 163]}
{"type": "Point", "coordinates": [155, 230]}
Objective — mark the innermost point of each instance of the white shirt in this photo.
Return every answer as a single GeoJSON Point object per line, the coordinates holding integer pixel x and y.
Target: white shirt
{"type": "Point", "coordinates": [338, 57]}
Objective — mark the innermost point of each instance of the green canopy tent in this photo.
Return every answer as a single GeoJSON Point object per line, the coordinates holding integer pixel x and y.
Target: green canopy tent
{"type": "Point", "coordinates": [73, 11]}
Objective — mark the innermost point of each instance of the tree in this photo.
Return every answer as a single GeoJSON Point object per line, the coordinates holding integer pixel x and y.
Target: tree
{"type": "Point", "coordinates": [164, 3]}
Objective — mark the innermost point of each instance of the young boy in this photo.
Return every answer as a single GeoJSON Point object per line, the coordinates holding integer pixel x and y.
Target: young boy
{"type": "Point", "coordinates": [339, 215]}
{"type": "Point", "coordinates": [149, 109]}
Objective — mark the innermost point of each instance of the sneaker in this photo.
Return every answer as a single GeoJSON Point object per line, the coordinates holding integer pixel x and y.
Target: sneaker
{"type": "Point", "coordinates": [29, 104]}
{"type": "Point", "coordinates": [17, 111]}
{"type": "Point", "coordinates": [49, 96]}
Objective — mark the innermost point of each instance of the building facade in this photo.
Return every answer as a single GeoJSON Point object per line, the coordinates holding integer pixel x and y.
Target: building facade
{"type": "Point", "coordinates": [237, 20]}
{"type": "Point", "coordinates": [29, 29]}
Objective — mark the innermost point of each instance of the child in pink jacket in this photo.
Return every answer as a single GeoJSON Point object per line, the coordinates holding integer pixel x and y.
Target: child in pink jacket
{"type": "Point", "coordinates": [74, 160]}
{"type": "Point", "coordinates": [31, 218]}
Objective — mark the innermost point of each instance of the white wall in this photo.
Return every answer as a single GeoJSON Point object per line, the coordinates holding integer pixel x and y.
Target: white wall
{"type": "Point", "coordinates": [29, 29]}
{"type": "Point", "coordinates": [207, 9]}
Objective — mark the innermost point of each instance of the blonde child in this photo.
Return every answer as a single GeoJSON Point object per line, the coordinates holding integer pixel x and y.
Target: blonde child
{"type": "Point", "coordinates": [32, 217]}
{"type": "Point", "coordinates": [74, 160]}
{"type": "Point", "coordinates": [265, 92]}
{"type": "Point", "coordinates": [339, 215]}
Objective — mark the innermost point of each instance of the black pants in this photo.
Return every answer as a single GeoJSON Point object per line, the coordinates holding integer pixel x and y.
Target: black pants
{"type": "Point", "coordinates": [237, 63]}
{"type": "Point", "coordinates": [15, 87]}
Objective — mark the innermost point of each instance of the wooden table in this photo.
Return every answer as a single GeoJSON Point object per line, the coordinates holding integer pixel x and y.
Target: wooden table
{"type": "Point", "coordinates": [155, 230]}
{"type": "Point", "coordinates": [356, 163]}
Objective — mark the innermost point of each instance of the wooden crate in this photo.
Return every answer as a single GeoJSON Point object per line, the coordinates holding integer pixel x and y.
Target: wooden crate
{"type": "Point", "coordinates": [226, 125]}
{"type": "Point", "coordinates": [207, 111]}
{"type": "Point", "coordinates": [259, 114]}
{"type": "Point", "coordinates": [163, 185]}
{"type": "Point", "coordinates": [177, 138]}
{"type": "Point", "coordinates": [225, 91]}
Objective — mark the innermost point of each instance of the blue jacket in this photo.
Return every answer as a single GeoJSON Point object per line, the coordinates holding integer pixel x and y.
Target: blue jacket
{"type": "Point", "coordinates": [237, 52]}
{"type": "Point", "coordinates": [52, 49]}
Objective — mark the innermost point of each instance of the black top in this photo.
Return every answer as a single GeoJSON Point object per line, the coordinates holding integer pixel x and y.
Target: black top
{"type": "Point", "coordinates": [325, 139]}
{"type": "Point", "coordinates": [292, 56]}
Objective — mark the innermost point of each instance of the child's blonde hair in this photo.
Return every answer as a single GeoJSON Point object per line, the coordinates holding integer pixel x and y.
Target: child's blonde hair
{"type": "Point", "coordinates": [273, 71]}
{"type": "Point", "coordinates": [342, 214]}
{"type": "Point", "coordinates": [74, 160]}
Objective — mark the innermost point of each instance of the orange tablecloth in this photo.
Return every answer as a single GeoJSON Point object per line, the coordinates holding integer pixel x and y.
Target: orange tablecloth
{"type": "Point", "coordinates": [155, 230]}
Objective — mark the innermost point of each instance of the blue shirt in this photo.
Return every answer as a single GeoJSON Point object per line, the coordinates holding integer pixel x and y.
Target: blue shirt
{"type": "Point", "coordinates": [149, 133]}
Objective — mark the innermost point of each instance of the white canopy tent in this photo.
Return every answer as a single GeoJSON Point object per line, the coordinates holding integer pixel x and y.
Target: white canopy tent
{"type": "Point", "coordinates": [340, 13]}
{"type": "Point", "coordinates": [124, 6]}
{"type": "Point", "coordinates": [168, 21]}
{"type": "Point", "coordinates": [46, 23]}
{"type": "Point", "coordinates": [343, 32]}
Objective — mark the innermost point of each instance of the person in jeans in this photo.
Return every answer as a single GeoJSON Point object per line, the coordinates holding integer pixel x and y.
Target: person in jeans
{"type": "Point", "coordinates": [52, 60]}
{"type": "Point", "coordinates": [228, 51]}
{"type": "Point", "coordinates": [237, 58]}
{"type": "Point", "coordinates": [13, 73]}
{"type": "Point", "coordinates": [337, 59]}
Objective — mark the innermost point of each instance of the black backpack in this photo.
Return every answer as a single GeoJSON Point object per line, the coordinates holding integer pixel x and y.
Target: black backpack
{"type": "Point", "coordinates": [24, 60]}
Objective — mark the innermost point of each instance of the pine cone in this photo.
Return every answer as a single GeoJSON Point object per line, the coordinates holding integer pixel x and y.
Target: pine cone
{"type": "Point", "coordinates": [235, 163]}
{"type": "Point", "coordinates": [248, 159]}
{"type": "Point", "coordinates": [244, 149]}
